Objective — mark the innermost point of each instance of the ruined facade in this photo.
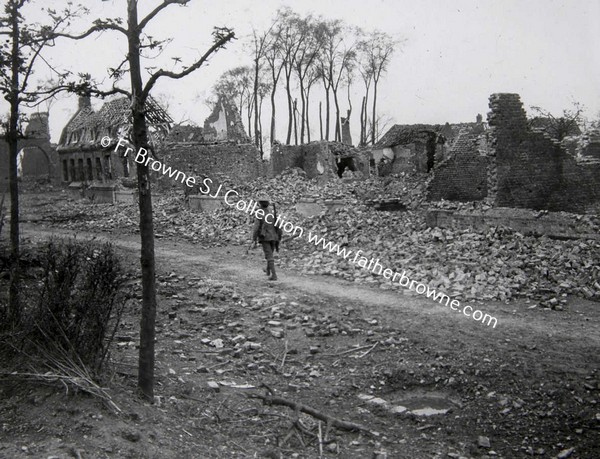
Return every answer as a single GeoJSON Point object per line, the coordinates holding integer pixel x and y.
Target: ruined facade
{"type": "Point", "coordinates": [515, 165]}
{"type": "Point", "coordinates": [221, 150]}
{"type": "Point", "coordinates": [409, 148]}
{"type": "Point", "coordinates": [224, 124]}
{"type": "Point", "coordinates": [319, 159]}
{"type": "Point", "coordinates": [84, 160]}
{"type": "Point", "coordinates": [463, 175]}
{"type": "Point", "coordinates": [238, 163]}
{"type": "Point", "coordinates": [37, 158]}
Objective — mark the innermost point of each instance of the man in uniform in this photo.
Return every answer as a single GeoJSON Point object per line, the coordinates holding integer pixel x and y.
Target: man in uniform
{"type": "Point", "coordinates": [267, 234]}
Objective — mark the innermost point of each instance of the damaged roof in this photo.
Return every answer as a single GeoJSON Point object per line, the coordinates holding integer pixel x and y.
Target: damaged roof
{"type": "Point", "coordinates": [402, 134]}
{"type": "Point", "coordinates": [114, 114]}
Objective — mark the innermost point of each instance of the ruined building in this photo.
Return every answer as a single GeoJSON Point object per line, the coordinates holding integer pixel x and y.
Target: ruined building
{"type": "Point", "coordinates": [83, 160]}
{"type": "Point", "coordinates": [221, 150]}
{"type": "Point", "coordinates": [225, 124]}
{"type": "Point", "coordinates": [409, 148]}
{"type": "Point", "coordinates": [37, 157]}
{"type": "Point", "coordinates": [319, 159]}
{"type": "Point", "coordinates": [517, 165]}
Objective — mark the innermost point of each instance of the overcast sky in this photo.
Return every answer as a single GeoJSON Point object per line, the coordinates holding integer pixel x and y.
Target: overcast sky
{"type": "Point", "coordinates": [454, 54]}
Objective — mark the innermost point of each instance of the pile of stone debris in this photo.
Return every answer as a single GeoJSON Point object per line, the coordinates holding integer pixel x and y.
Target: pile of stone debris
{"type": "Point", "coordinates": [498, 264]}
{"type": "Point", "coordinates": [495, 265]}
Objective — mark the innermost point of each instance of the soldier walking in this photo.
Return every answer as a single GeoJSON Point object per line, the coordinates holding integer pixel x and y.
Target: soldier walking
{"type": "Point", "coordinates": [267, 234]}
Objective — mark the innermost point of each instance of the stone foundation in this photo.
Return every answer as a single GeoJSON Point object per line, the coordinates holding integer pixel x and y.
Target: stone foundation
{"type": "Point", "coordinates": [526, 222]}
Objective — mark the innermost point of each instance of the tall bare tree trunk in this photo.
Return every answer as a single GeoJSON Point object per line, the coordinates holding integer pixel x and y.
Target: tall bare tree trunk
{"type": "Point", "coordinates": [307, 114]}
{"type": "Point", "coordinates": [362, 120]}
{"type": "Point", "coordinates": [327, 111]}
{"type": "Point", "coordinates": [273, 115]}
{"type": "Point", "coordinates": [258, 132]}
{"type": "Point", "coordinates": [257, 141]}
{"type": "Point", "coordinates": [338, 130]}
{"type": "Point", "coordinates": [321, 119]}
{"type": "Point", "coordinates": [374, 121]}
{"type": "Point", "coordinates": [303, 113]}
{"type": "Point", "coordinates": [14, 306]}
{"type": "Point", "coordinates": [288, 90]}
{"type": "Point", "coordinates": [296, 121]}
{"type": "Point", "coordinates": [140, 140]}
{"type": "Point", "coordinates": [249, 113]}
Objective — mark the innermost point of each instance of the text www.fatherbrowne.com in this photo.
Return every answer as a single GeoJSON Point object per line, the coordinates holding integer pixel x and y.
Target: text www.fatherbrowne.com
{"type": "Point", "coordinates": [251, 208]}
{"type": "Point", "coordinates": [403, 280]}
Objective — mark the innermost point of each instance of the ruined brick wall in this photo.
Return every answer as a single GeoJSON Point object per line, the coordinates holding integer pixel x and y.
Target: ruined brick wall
{"type": "Point", "coordinates": [238, 162]}
{"type": "Point", "coordinates": [405, 159]}
{"type": "Point", "coordinates": [314, 158]}
{"type": "Point", "coordinates": [284, 157]}
{"type": "Point", "coordinates": [39, 160]}
{"type": "Point", "coordinates": [225, 123]}
{"type": "Point", "coordinates": [462, 177]}
{"type": "Point", "coordinates": [532, 170]}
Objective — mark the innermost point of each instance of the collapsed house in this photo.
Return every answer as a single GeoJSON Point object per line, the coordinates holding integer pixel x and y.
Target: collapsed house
{"type": "Point", "coordinates": [419, 148]}
{"type": "Point", "coordinates": [320, 159]}
{"type": "Point", "coordinates": [408, 148]}
{"type": "Point", "coordinates": [37, 158]}
{"type": "Point", "coordinates": [517, 165]}
{"type": "Point", "coordinates": [85, 163]}
{"type": "Point", "coordinates": [220, 150]}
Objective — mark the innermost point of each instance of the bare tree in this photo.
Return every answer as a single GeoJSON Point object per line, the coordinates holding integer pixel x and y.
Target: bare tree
{"type": "Point", "coordinates": [22, 51]}
{"type": "Point", "coordinates": [337, 57]}
{"type": "Point", "coordinates": [561, 126]}
{"type": "Point", "coordinates": [139, 93]}
{"type": "Point", "coordinates": [260, 44]}
{"type": "Point", "coordinates": [381, 125]}
{"type": "Point", "coordinates": [294, 32]}
{"type": "Point", "coordinates": [376, 50]}
{"type": "Point", "coordinates": [305, 68]}
{"type": "Point", "coordinates": [263, 90]}
{"type": "Point", "coordinates": [365, 69]}
{"type": "Point", "coordinates": [310, 78]}
{"type": "Point", "coordinates": [273, 56]}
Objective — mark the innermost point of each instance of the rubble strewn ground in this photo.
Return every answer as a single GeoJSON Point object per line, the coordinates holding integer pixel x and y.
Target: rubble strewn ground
{"type": "Point", "coordinates": [498, 264]}
{"type": "Point", "coordinates": [424, 381]}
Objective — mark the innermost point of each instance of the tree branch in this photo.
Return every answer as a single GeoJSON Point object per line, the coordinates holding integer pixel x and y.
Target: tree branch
{"type": "Point", "coordinates": [74, 88]}
{"type": "Point", "coordinates": [330, 420]}
{"type": "Point", "coordinates": [144, 22]}
{"type": "Point", "coordinates": [218, 44]}
{"type": "Point", "coordinates": [99, 27]}
{"type": "Point", "coordinates": [30, 68]}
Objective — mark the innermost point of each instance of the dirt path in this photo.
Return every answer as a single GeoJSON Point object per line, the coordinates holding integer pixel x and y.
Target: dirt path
{"type": "Point", "coordinates": [233, 263]}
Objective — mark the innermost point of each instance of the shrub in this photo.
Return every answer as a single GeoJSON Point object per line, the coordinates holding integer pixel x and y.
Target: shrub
{"type": "Point", "coordinates": [76, 310]}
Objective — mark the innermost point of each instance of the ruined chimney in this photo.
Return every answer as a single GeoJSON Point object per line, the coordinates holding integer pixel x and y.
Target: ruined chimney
{"type": "Point", "coordinates": [38, 126]}
{"type": "Point", "coordinates": [479, 118]}
{"type": "Point", "coordinates": [84, 102]}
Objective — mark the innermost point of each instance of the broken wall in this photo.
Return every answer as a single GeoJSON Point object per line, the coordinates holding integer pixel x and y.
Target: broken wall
{"type": "Point", "coordinates": [314, 158]}
{"type": "Point", "coordinates": [533, 170]}
{"type": "Point", "coordinates": [225, 123]}
{"type": "Point", "coordinates": [516, 166]}
{"type": "Point", "coordinates": [239, 163]}
{"type": "Point", "coordinates": [38, 158]}
{"type": "Point", "coordinates": [460, 178]}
